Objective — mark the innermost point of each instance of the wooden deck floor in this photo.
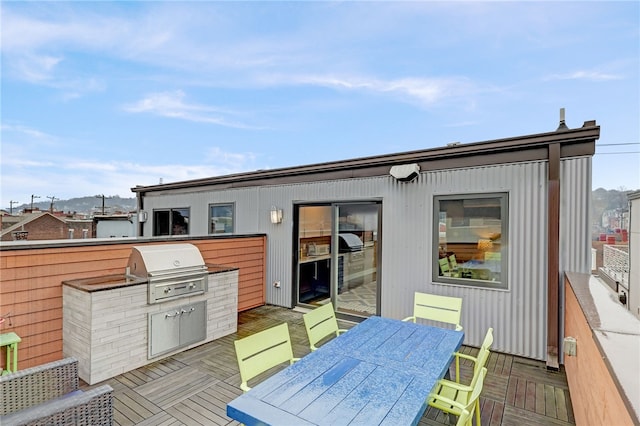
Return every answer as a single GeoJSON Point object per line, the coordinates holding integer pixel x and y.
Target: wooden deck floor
{"type": "Point", "coordinates": [193, 387]}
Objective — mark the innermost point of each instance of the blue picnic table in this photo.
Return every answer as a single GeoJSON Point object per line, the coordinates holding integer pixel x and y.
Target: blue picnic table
{"type": "Point", "coordinates": [379, 372]}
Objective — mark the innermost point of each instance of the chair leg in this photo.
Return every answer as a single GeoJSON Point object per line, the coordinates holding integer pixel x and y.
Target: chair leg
{"type": "Point", "coordinates": [458, 369]}
{"type": "Point", "coordinates": [477, 412]}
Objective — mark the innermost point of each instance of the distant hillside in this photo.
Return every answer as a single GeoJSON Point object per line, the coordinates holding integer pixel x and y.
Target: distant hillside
{"type": "Point", "coordinates": [91, 204]}
{"type": "Point", "coordinates": [607, 199]}
{"type": "Point", "coordinates": [603, 200]}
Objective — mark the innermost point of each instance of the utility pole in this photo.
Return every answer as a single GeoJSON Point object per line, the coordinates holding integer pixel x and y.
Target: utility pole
{"type": "Point", "coordinates": [11, 203]}
{"type": "Point", "coordinates": [103, 198]}
{"type": "Point", "coordinates": [32, 197]}
{"type": "Point", "coordinates": [52, 200]}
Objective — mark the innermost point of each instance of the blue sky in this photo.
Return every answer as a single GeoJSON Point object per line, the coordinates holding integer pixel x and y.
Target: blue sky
{"type": "Point", "coordinates": [98, 97]}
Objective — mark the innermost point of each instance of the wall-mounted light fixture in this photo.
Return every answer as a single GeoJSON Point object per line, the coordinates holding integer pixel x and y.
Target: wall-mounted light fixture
{"type": "Point", "coordinates": [276, 215]}
{"type": "Point", "coordinates": [405, 172]}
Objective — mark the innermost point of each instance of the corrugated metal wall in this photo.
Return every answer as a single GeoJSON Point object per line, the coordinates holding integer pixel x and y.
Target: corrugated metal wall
{"type": "Point", "coordinates": [575, 216]}
{"type": "Point", "coordinates": [575, 225]}
{"type": "Point", "coordinates": [518, 314]}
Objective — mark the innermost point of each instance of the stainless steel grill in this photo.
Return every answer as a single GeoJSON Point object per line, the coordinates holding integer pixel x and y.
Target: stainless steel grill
{"type": "Point", "coordinates": [353, 248]}
{"type": "Point", "coordinates": [172, 270]}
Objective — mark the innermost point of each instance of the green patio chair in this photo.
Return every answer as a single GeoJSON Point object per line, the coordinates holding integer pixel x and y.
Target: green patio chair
{"type": "Point", "coordinates": [486, 345]}
{"type": "Point", "coordinates": [444, 267]}
{"type": "Point", "coordinates": [321, 323]}
{"type": "Point", "coordinates": [460, 399]}
{"type": "Point", "coordinates": [463, 418]}
{"type": "Point", "coordinates": [263, 350]}
{"type": "Point", "coordinates": [437, 308]}
{"type": "Point", "coordinates": [460, 392]}
{"type": "Point", "coordinates": [453, 266]}
{"type": "Point", "coordinates": [453, 262]}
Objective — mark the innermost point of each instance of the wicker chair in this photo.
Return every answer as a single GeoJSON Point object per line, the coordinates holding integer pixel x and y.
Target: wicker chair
{"type": "Point", "coordinates": [48, 394]}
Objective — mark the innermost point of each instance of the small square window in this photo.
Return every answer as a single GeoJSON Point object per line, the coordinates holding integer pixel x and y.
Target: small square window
{"type": "Point", "coordinates": [171, 222]}
{"type": "Point", "coordinates": [221, 218]}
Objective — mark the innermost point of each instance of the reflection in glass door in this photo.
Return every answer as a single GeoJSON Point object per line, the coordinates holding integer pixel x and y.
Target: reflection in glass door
{"type": "Point", "coordinates": [357, 252]}
{"type": "Point", "coordinates": [314, 254]}
{"type": "Point", "coordinates": [337, 256]}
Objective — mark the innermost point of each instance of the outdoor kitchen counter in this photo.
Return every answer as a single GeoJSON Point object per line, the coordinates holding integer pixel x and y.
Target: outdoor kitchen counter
{"type": "Point", "coordinates": [216, 269]}
{"type": "Point", "coordinates": [110, 282]}
{"type": "Point", "coordinates": [111, 328]}
{"type": "Point", "coordinates": [105, 282]}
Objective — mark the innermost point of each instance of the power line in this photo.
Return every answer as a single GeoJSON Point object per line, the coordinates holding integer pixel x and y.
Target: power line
{"type": "Point", "coordinates": [628, 152]}
{"type": "Point", "coordinates": [617, 144]}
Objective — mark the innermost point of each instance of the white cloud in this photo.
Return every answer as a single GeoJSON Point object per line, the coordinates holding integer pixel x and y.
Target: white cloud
{"type": "Point", "coordinates": [32, 133]}
{"type": "Point", "coordinates": [24, 146]}
{"type": "Point", "coordinates": [588, 75]}
{"type": "Point", "coordinates": [183, 39]}
{"type": "Point", "coordinates": [232, 162]}
{"type": "Point", "coordinates": [44, 70]}
{"type": "Point", "coordinates": [22, 163]}
{"type": "Point", "coordinates": [426, 91]}
{"type": "Point", "coordinates": [55, 26]}
{"type": "Point", "coordinates": [173, 105]}
{"type": "Point", "coordinates": [36, 48]}
{"type": "Point", "coordinates": [35, 68]}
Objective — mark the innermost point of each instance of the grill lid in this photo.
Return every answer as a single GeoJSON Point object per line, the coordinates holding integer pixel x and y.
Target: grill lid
{"type": "Point", "coordinates": [164, 259]}
{"type": "Point", "coordinates": [349, 242]}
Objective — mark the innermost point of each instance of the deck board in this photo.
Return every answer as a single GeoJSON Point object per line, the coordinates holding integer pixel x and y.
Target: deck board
{"type": "Point", "coordinates": [193, 387]}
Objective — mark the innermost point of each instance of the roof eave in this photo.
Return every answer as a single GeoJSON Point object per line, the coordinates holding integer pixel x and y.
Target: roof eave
{"type": "Point", "coordinates": [589, 132]}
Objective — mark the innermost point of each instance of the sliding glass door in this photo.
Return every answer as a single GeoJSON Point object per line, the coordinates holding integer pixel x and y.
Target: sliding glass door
{"type": "Point", "coordinates": [337, 247]}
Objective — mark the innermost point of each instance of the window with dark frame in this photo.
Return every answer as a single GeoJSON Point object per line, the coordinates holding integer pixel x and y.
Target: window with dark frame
{"type": "Point", "coordinates": [171, 222]}
{"type": "Point", "coordinates": [470, 244]}
{"type": "Point", "coordinates": [221, 218]}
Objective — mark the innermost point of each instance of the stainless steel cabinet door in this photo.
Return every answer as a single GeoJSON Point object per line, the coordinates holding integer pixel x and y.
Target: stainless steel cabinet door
{"type": "Point", "coordinates": [164, 332]}
{"type": "Point", "coordinates": [193, 323]}
{"type": "Point", "coordinates": [177, 327]}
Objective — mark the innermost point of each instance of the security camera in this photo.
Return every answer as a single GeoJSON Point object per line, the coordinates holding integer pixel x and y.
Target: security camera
{"type": "Point", "coordinates": [405, 172]}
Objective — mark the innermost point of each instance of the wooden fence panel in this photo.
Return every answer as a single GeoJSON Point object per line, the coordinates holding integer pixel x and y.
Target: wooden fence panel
{"type": "Point", "coordinates": [31, 283]}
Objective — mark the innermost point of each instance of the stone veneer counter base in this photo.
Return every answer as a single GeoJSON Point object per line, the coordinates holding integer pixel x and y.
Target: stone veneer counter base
{"type": "Point", "coordinates": [107, 332]}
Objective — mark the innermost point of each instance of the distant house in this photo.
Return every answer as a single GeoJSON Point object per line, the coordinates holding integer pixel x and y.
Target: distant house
{"type": "Point", "coordinates": [114, 226]}
{"type": "Point", "coordinates": [8, 220]}
{"type": "Point", "coordinates": [45, 226]}
{"type": "Point", "coordinates": [497, 223]}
